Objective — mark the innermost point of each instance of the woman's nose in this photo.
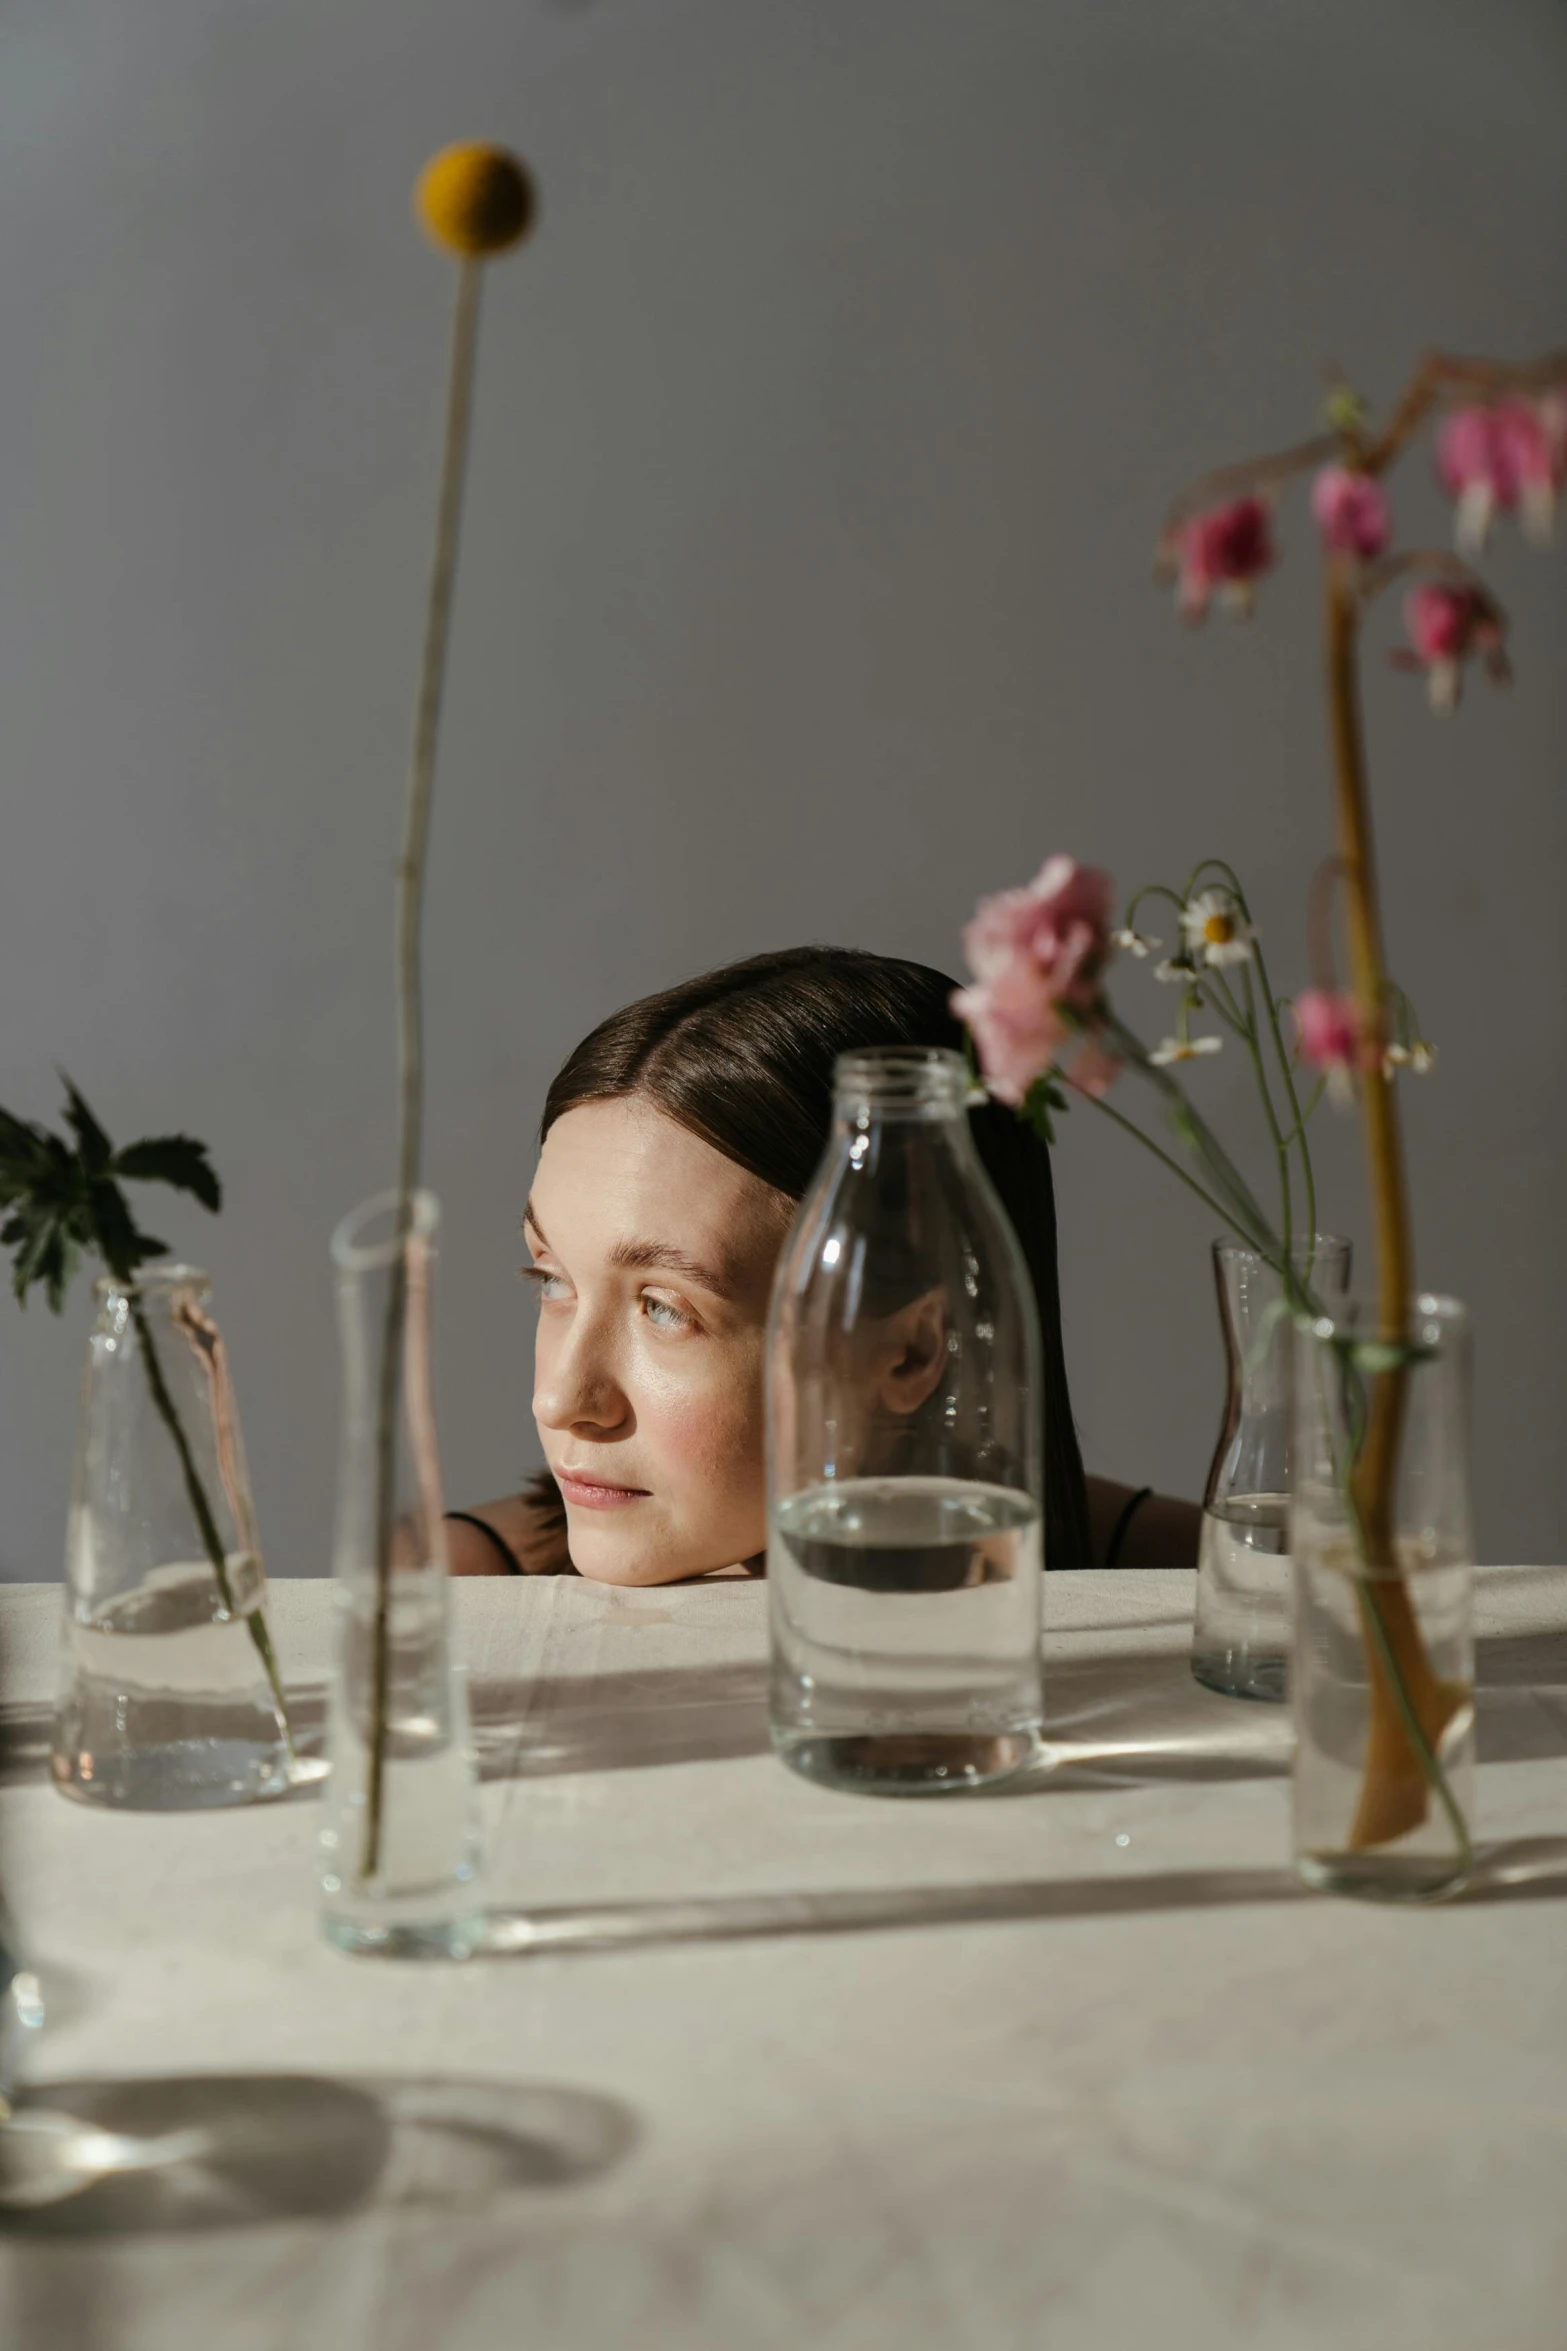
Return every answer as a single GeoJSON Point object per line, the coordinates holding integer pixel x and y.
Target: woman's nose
{"type": "Point", "coordinates": [575, 1385]}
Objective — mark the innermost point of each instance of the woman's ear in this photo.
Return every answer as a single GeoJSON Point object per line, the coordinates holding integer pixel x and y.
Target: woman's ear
{"type": "Point", "coordinates": [916, 1353]}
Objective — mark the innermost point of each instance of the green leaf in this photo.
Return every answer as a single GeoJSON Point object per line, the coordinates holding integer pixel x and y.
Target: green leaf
{"type": "Point", "coordinates": [120, 1244]}
{"type": "Point", "coordinates": [1045, 1102]}
{"type": "Point", "coordinates": [93, 1145]}
{"type": "Point", "coordinates": [23, 1151]}
{"type": "Point", "coordinates": [47, 1254]}
{"type": "Point", "coordinates": [171, 1159]}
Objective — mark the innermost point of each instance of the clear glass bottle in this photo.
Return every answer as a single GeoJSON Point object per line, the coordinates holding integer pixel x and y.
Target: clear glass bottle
{"type": "Point", "coordinates": [399, 1846]}
{"type": "Point", "coordinates": [169, 1696]}
{"type": "Point", "coordinates": [1241, 1626]}
{"type": "Point", "coordinates": [903, 1406]}
{"type": "Point", "coordinates": [1384, 1648]}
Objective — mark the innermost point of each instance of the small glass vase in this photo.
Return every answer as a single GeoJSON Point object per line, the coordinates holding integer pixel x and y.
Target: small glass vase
{"type": "Point", "coordinates": [1241, 1625]}
{"type": "Point", "coordinates": [399, 1847]}
{"type": "Point", "coordinates": [169, 1699]}
{"type": "Point", "coordinates": [904, 1543]}
{"type": "Point", "coordinates": [1384, 1646]}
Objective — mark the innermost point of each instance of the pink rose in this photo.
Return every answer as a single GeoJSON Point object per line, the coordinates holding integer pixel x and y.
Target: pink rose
{"type": "Point", "coordinates": [1036, 955]}
{"type": "Point", "coordinates": [1225, 549]}
{"type": "Point", "coordinates": [1351, 511]}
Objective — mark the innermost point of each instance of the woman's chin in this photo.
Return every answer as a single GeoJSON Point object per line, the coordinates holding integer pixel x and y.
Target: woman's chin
{"type": "Point", "coordinates": [609, 1548]}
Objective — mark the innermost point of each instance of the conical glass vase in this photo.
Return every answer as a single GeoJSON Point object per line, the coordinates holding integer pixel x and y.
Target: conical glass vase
{"type": "Point", "coordinates": [169, 1698]}
{"type": "Point", "coordinates": [400, 1832]}
{"type": "Point", "coordinates": [1241, 1630]}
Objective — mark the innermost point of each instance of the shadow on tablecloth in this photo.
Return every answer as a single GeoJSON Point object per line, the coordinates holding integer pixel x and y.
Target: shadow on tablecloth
{"type": "Point", "coordinates": [1128, 1717]}
{"type": "Point", "coordinates": [225, 2151]}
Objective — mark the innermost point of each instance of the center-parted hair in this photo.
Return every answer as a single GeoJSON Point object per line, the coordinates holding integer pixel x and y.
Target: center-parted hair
{"type": "Point", "coordinates": [743, 1057]}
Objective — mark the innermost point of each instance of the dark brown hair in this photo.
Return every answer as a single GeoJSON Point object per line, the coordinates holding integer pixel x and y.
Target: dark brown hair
{"type": "Point", "coordinates": [744, 1058]}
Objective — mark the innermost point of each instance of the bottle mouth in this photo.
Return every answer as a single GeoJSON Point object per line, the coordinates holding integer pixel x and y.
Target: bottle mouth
{"type": "Point", "coordinates": [928, 1080]}
{"type": "Point", "coordinates": [1435, 1321]}
{"type": "Point", "coordinates": [159, 1280]}
{"type": "Point", "coordinates": [366, 1240]}
{"type": "Point", "coordinates": [1326, 1248]}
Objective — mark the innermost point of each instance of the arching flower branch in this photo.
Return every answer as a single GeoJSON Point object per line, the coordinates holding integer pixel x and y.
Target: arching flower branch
{"type": "Point", "coordinates": [1500, 447]}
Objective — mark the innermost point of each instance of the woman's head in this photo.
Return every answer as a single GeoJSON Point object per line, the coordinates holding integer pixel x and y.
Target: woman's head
{"type": "Point", "coordinates": [676, 1142]}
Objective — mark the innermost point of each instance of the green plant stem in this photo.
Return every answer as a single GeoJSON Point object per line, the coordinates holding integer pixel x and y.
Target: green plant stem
{"type": "Point", "coordinates": [212, 1541]}
{"type": "Point", "coordinates": [410, 908]}
{"type": "Point", "coordinates": [1297, 1133]}
{"type": "Point", "coordinates": [1164, 1157]}
{"type": "Point", "coordinates": [1280, 1147]}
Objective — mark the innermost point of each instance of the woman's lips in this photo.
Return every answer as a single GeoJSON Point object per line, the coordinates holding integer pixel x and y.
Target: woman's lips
{"type": "Point", "coordinates": [594, 1494]}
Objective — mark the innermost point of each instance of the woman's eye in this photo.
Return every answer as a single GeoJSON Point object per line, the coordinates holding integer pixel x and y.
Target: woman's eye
{"type": "Point", "coordinates": [663, 1315]}
{"type": "Point", "coordinates": [548, 1285]}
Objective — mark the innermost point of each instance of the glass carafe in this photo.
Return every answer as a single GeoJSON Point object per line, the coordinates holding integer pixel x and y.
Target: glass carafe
{"type": "Point", "coordinates": [1241, 1627]}
{"type": "Point", "coordinates": [169, 1697]}
{"type": "Point", "coordinates": [904, 1406]}
{"type": "Point", "coordinates": [400, 1825]}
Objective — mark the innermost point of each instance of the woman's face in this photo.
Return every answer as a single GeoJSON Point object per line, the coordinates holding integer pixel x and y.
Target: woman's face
{"type": "Point", "coordinates": [653, 1256]}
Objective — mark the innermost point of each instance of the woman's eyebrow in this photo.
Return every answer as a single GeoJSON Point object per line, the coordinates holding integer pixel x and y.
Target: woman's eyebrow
{"type": "Point", "coordinates": [662, 1256]}
{"type": "Point", "coordinates": [652, 1256]}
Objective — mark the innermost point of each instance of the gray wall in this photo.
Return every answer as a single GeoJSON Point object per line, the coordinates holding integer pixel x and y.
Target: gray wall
{"type": "Point", "coordinates": [821, 441]}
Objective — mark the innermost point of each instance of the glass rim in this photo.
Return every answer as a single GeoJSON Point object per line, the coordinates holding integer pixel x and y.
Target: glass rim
{"type": "Point", "coordinates": [1227, 1245]}
{"type": "Point", "coordinates": [352, 1253]}
{"type": "Point", "coordinates": [1351, 1317]}
{"type": "Point", "coordinates": [164, 1273]}
{"type": "Point", "coordinates": [902, 1073]}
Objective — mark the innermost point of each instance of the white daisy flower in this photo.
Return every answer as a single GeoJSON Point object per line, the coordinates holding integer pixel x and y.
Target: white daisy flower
{"type": "Point", "coordinates": [1176, 971]}
{"type": "Point", "coordinates": [1214, 929]}
{"type": "Point", "coordinates": [1183, 1049]}
{"type": "Point", "coordinates": [1135, 943]}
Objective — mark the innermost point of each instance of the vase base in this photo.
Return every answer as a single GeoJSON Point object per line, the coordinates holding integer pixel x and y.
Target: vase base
{"type": "Point", "coordinates": [1238, 1674]}
{"type": "Point", "coordinates": [1382, 1877]}
{"type": "Point", "coordinates": [910, 1763]}
{"type": "Point", "coordinates": [182, 1775]}
{"type": "Point", "coordinates": [442, 1938]}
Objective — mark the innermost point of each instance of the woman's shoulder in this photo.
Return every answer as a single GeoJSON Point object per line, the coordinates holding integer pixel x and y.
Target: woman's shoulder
{"type": "Point", "coordinates": [521, 1534]}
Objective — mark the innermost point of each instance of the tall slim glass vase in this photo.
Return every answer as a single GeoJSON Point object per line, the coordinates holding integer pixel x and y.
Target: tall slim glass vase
{"type": "Point", "coordinates": [1383, 1677]}
{"type": "Point", "coordinates": [400, 1852]}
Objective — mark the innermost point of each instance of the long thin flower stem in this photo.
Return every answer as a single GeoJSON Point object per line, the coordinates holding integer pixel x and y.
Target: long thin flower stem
{"type": "Point", "coordinates": [1393, 1796]}
{"type": "Point", "coordinates": [1173, 1164]}
{"type": "Point", "coordinates": [1280, 1147]}
{"type": "Point", "coordinates": [410, 908]}
{"type": "Point", "coordinates": [201, 1510]}
{"type": "Point", "coordinates": [1297, 1133]}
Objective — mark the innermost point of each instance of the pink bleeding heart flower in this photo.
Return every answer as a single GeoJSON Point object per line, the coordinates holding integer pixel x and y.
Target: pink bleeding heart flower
{"type": "Point", "coordinates": [1351, 511]}
{"type": "Point", "coordinates": [1498, 460]}
{"type": "Point", "coordinates": [1447, 622]}
{"type": "Point", "coordinates": [1327, 1023]}
{"type": "Point", "coordinates": [1533, 436]}
{"type": "Point", "coordinates": [1224, 550]}
{"type": "Point", "coordinates": [1037, 955]}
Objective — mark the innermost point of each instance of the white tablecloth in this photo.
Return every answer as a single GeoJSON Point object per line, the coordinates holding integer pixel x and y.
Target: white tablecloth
{"type": "Point", "coordinates": [1075, 2066]}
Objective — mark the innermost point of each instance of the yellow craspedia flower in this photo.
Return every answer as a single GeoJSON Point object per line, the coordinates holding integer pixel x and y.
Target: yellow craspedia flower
{"type": "Point", "coordinates": [475, 199]}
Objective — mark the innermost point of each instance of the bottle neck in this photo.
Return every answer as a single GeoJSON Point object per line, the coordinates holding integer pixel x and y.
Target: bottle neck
{"type": "Point", "coordinates": [922, 1086]}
